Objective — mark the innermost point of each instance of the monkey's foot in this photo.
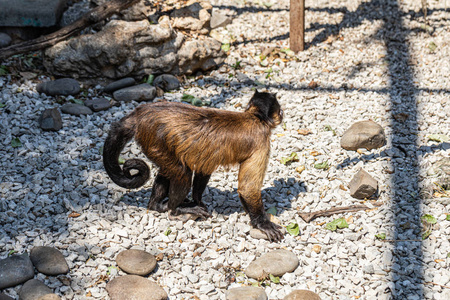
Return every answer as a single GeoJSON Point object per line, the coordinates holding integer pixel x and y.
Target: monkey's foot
{"type": "Point", "coordinates": [272, 230]}
{"type": "Point", "coordinates": [158, 206]}
{"type": "Point", "coordinates": [189, 213]}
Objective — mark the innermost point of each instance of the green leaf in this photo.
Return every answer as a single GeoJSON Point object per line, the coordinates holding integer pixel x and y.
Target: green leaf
{"type": "Point", "coordinates": [381, 236]}
{"type": "Point", "coordinates": [291, 158]}
{"type": "Point", "coordinates": [323, 165]}
{"type": "Point", "coordinates": [100, 150]}
{"type": "Point", "coordinates": [441, 138]}
{"type": "Point", "coordinates": [168, 231]}
{"type": "Point", "coordinates": [187, 98]}
{"type": "Point", "coordinates": [2, 105]}
{"type": "Point", "coordinates": [448, 255]}
{"type": "Point", "coordinates": [429, 219]}
{"type": "Point", "coordinates": [293, 229]}
{"type": "Point", "coordinates": [288, 52]}
{"type": "Point", "coordinates": [237, 65]}
{"type": "Point", "coordinates": [272, 211]}
{"type": "Point", "coordinates": [274, 279]}
{"type": "Point", "coordinates": [197, 102]}
{"type": "Point", "coordinates": [77, 101]}
{"type": "Point", "coordinates": [121, 160]}
{"type": "Point", "coordinates": [426, 234]}
{"type": "Point", "coordinates": [328, 128]}
{"type": "Point", "coordinates": [11, 252]}
{"type": "Point", "coordinates": [448, 217]}
{"type": "Point", "coordinates": [255, 284]}
{"type": "Point", "coordinates": [4, 70]}
{"type": "Point", "coordinates": [338, 223]}
{"type": "Point", "coordinates": [15, 143]}
{"type": "Point", "coordinates": [226, 47]}
{"type": "Point", "coordinates": [150, 79]}
{"type": "Point", "coordinates": [269, 70]}
{"type": "Point", "coordinates": [283, 126]}
{"type": "Point", "coordinates": [432, 46]}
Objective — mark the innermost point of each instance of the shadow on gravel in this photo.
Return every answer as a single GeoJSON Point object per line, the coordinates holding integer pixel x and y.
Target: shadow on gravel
{"type": "Point", "coordinates": [227, 202]}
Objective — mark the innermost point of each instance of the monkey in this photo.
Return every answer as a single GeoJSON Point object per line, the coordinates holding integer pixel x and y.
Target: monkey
{"type": "Point", "coordinates": [187, 144]}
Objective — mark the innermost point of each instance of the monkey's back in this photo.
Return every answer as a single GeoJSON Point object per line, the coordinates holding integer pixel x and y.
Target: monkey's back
{"type": "Point", "coordinates": [177, 135]}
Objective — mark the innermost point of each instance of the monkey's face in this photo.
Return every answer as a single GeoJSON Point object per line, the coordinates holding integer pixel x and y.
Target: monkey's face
{"type": "Point", "coordinates": [266, 107]}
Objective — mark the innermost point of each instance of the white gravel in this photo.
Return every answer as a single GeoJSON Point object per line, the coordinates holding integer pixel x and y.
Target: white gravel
{"type": "Point", "coordinates": [368, 69]}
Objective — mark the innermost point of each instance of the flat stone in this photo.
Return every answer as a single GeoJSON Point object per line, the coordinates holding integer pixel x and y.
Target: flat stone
{"type": "Point", "coordinates": [5, 40]}
{"type": "Point", "coordinates": [136, 262]}
{"type": "Point", "coordinates": [219, 19]}
{"type": "Point", "coordinates": [33, 289]}
{"type": "Point", "coordinates": [15, 270]}
{"type": "Point", "coordinates": [5, 297]}
{"type": "Point", "coordinates": [98, 104]}
{"type": "Point", "coordinates": [363, 134]}
{"type": "Point", "coordinates": [277, 263]}
{"type": "Point", "coordinates": [302, 295]}
{"type": "Point", "coordinates": [131, 287]}
{"type": "Point", "coordinates": [76, 109]}
{"type": "Point", "coordinates": [63, 86]}
{"type": "Point", "coordinates": [50, 120]}
{"type": "Point", "coordinates": [49, 297]}
{"type": "Point", "coordinates": [141, 92]}
{"type": "Point", "coordinates": [34, 13]}
{"type": "Point", "coordinates": [246, 292]}
{"type": "Point", "coordinates": [48, 260]}
{"type": "Point", "coordinates": [167, 82]}
{"type": "Point", "coordinates": [362, 185]}
{"type": "Point", "coordinates": [258, 234]}
{"type": "Point", "coordinates": [119, 84]}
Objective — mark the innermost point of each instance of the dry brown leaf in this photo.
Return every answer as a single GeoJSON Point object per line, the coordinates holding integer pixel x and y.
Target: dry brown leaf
{"type": "Point", "coordinates": [300, 169]}
{"type": "Point", "coordinates": [314, 153]}
{"type": "Point", "coordinates": [342, 187]}
{"type": "Point", "coordinates": [313, 84]}
{"type": "Point", "coordinates": [280, 134]}
{"type": "Point", "coordinates": [317, 248]}
{"type": "Point", "coordinates": [349, 220]}
{"type": "Point", "coordinates": [304, 131]}
{"type": "Point", "coordinates": [159, 257]}
{"type": "Point", "coordinates": [74, 215]}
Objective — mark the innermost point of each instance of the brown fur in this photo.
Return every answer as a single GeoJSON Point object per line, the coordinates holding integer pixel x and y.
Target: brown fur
{"type": "Point", "coordinates": [183, 139]}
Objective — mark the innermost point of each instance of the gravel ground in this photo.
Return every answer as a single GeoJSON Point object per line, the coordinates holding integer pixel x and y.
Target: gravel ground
{"type": "Point", "coordinates": [374, 60]}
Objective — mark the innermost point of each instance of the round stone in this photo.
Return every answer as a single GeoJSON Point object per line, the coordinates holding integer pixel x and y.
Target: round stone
{"type": "Point", "coordinates": [76, 109]}
{"type": "Point", "coordinates": [131, 287]}
{"type": "Point", "coordinates": [48, 260]}
{"type": "Point", "coordinates": [136, 262]}
{"type": "Point", "coordinates": [15, 270]}
{"type": "Point", "coordinates": [363, 134]}
{"type": "Point", "coordinates": [167, 82]}
{"type": "Point", "coordinates": [63, 86]}
{"type": "Point", "coordinates": [141, 92]}
{"type": "Point", "coordinates": [247, 293]}
{"type": "Point", "coordinates": [119, 84]}
{"type": "Point", "coordinates": [277, 263]}
{"type": "Point", "coordinates": [33, 289]}
{"type": "Point", "coordinates": [302, 295]}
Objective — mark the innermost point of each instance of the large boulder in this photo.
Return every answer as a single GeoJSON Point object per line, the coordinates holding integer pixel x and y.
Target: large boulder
{"type": "Point", "coordinates": [134, 48]}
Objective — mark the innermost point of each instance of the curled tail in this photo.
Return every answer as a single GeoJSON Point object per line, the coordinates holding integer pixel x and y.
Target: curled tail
{"type": "Point", "coordinates": [120, 133]}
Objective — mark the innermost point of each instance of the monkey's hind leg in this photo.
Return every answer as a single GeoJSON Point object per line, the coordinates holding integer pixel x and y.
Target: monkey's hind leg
{"type": "Point", "coordinates": [181, 210]}
{"type": "Point", "coordinates": [160, 191]}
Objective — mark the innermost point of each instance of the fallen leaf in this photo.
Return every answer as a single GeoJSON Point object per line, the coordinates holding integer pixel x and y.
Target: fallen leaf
{"type": "Point", "coordinates": [160, 256]}
{"type": "Point", "coordinates": [237, 105]}
{"type": "Point", "coordinates": [313, 84]}
{"type": "Point", "coordinates": [441, 138]}
{"type": "Point", "coordinates": [314, 153]}
{"type": "Point", "coordinates": [401, 117]}
{"type": "Point", "coordinates": [349, 220]}
{"type": "Point", "coordinates": [74, 215]}
{"type": "Point", "coordinates": [280, 134]}
{"type": "Point", "coordinates": [439, 260]}
{"type": "Point", "coordinates": [196, 253]}
{"type": "Point", "coordinates": [300, 169]}
{"type": "Point", "coordinates": [342, 187]}
{"type": "Point", "coordinates": [293, 229]}
{"type": "Point", "coordinates": [317, 248]}
{"type": "Point", "coordinates": [304, 131]}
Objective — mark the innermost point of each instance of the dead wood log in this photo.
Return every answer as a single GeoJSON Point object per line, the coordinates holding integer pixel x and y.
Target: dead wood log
{"type": "Point", "coordinates": [96, 15]}
{"type": "Point", "coordinates": [308, 217]}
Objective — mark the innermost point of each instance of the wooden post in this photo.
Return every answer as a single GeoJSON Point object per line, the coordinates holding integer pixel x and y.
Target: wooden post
{"type": "Point", "coordinates": [297, 25]}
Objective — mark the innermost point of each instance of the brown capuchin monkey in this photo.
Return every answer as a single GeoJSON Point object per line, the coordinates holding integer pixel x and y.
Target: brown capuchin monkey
{"type": "Point", "coordinates": [183, 140]}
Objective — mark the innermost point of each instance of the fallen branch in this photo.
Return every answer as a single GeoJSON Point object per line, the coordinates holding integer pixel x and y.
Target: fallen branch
{"type": "Point", "coordinates": [96, 15]}
{"type": "Point", "coordinates": [308, 217]}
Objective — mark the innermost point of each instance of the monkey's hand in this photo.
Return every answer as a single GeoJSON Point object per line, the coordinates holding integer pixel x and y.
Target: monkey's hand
{"type": "Point", "coordinates": [272, 230]}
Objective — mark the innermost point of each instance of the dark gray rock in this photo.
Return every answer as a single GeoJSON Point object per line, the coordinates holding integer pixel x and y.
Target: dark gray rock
{"type": "Point", "coordinates": [49, 261]}
{"type": "Point", "coordinates": [5, 40]}
{"type": "Point", "coordinates": [119, 84]}
{"type": "Point", "coordinates": [141, 92]}
{"type": "Point", "coordinates": [363, 134]}
{"type": "Point", "coordinates": [133, 49]}
{"type": "Point", "coordinates": [130, 287]}
{"type": "Point", "coordinates": [76, 109]}
{"type": "Point", "coordinates": [15, 270]}
{"type": "Point", "coordinates": [74, 12]}
{"type": "Point", "coordinates": [302, 295]}
{"type": "Point", "coordinates": [50, 120]}
{"type": "Point", "coordinates": [38, 13]}
{"type": "Point", "coordinates": [5, 297]}
{"type": "Point", "coordinates": [276, 263]}
{"type": "Point", "coordinates": [167, 82]}
{"type": "Point", "coordinates": [219, 19]}
{"type": "Point", "coordinates": [63, 87]}
{"type": "Point", "coordinates": [98, 104]}
{"type": "Point", "coordinates": [33, 290]}
{"type": "Point", "coordinates": [246, 292]}
{"type": "Point", "coordinates": [136, 262]}
{"type": "Point", "coordinates": [362, 185]}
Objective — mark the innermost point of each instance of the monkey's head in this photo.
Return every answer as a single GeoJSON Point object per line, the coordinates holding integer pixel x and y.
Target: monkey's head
{"type": "Point", "coordinates": [266, 107]}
